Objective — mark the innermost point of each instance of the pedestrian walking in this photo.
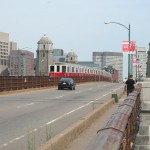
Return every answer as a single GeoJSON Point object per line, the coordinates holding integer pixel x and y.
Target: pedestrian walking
{"type": "Point", "coordinates": [130, 85]}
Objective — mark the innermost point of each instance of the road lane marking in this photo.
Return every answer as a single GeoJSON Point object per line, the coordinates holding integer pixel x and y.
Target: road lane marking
{"type": "Point", "coordinates": [29, 104]}
{"type": "Point", "coordinates": [77, 92]}
{"type": "Point", "coordinates": [60, 96]}
{"type": "Point", "coordinates": [12, 141]}
{"type": "Point", "coordinates": [62, 116]}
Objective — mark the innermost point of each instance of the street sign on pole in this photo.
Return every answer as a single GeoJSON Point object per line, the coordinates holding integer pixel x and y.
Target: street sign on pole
{"type": "Point", "coordinates": [136, 61]}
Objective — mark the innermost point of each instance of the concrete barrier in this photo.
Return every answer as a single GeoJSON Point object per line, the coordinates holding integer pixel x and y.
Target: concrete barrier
{"type": "Point", "coordinates": [61, 140]}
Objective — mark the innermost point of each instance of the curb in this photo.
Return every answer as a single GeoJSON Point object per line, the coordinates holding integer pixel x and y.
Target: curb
{"type": "Point", "coordinates": [61, 140]}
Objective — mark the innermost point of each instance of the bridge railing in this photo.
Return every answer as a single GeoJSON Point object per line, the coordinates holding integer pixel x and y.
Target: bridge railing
{"type": "Point", "coordinates": [120, 131]}
{"type": "Point", "coordinates": [10, 83]}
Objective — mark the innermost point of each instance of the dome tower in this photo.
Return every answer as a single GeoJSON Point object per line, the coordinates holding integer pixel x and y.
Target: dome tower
{"type": "Point", "coordinates": [44, 56]}
{"type": "Point", "coordinates": [71, 57]}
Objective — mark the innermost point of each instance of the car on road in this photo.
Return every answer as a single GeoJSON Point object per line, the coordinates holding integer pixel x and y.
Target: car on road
{"type": "Point", "coordinates": [124, 80]}
{"type": "Point", "coordinates": [68, 83]}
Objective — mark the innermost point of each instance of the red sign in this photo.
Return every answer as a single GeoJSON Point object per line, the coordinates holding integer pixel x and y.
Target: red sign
{"type": "Point", "coordinates": [127, 48]}
{"type": "Point", "coordinates": [134, 60]}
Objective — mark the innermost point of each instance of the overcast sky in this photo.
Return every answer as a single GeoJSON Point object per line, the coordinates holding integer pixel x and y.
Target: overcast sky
{"type": "Point", "coordinates": [76, 24]}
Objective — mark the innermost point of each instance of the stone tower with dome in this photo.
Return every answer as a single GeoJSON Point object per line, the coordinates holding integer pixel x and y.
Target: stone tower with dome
{"type": "Point", "coordinates": [44, 56]}
{"type": "Point", "coordinates": [71, 57]}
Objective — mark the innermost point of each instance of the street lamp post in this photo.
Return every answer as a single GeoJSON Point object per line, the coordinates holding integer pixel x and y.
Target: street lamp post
{"type": "Point", "coordinates": [128, 28]}
{"type": "Point", "coordinates": [41, 68]}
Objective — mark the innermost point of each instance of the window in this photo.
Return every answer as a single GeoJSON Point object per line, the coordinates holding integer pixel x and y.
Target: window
{"type": "Point", "coordinates": [63, 68]}
{"type": "Point", "coordinates": [58, 68]}
{"type": "Point", "coordinates": [43, 46]}
{"type": "Point", "coordinates": [51, 68]}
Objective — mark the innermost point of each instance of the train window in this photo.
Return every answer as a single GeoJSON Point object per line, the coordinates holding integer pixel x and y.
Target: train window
{"type": "Point", "coordinates": [72, 69]}
{"type": "Point", "coordinates": [51, 68]}
{"type": "Point", "coordinates": [76, 69]}
{"type": "Point", "coordinates": [63, 68]}
{"type": "Point", "coordinates": [82, 70]}
{"type": "Point", "coordinates": [58, 68]}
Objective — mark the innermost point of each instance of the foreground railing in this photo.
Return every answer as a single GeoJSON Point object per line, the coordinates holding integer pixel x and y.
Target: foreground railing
{"type": "Point", "coordinates": [122, 127]}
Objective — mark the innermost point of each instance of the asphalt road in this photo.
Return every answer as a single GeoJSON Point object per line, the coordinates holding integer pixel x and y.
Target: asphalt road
{"type": "Point", "coordinates": [29, 119]}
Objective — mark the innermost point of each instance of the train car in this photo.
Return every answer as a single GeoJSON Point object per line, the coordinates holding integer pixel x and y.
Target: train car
{"type": "Point", "coordinates": [74, 70]}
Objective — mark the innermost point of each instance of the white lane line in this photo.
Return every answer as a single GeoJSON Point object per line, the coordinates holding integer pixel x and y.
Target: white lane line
{"type": "Point", "coordinates": [60, 96]}
{"type": "Point", "coordinates": [29, 104]}
{"type": "Point", "coordinates": [107, 94]}
{"type": "Point", "coordinates": [102, 96]}
{"type": "Point", "coordinates": [16, 139]}
{"type": "Point", "coordinates": [60, 117]}
{"type": "Point", "coordinates": [12, 141]}
{"type": "Point", "coordinates": [77, 92]}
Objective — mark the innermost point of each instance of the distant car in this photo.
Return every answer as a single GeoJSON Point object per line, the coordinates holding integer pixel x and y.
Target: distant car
{"type": "Point", "coordinates": [124, 80]}
{"type": "Point", "coordinates": [68, 83]}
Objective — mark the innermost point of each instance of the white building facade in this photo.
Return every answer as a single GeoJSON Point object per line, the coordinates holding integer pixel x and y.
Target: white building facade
{"type": "Point", "coordinates": [114, 59]}
{"type": "Point", "coordinates": [4, 53]}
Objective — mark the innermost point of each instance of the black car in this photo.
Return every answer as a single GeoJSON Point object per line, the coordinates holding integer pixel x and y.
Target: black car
{"type": "Point", "coordinates": [66, 83]}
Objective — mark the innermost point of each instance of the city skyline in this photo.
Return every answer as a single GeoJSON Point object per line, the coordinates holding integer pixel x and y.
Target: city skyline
{"type": "Point", "coordinates": [77, 25]}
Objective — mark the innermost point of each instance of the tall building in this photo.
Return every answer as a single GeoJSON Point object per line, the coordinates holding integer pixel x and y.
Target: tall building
{"type": "Point", "coordinates": [21, 63]}
{"type": "Point", "coordinates": [148, 63]}
{"type": "Point", "coordinates": [44, 56]}
{"type": "Point", "coordinates": [114, 59]}
{"type": "Point", "coordinates": [139, 65]}
{"type": "Point", "coordinates": [4, 53]}
{"type": "Point", "coordinates": [13, 45]}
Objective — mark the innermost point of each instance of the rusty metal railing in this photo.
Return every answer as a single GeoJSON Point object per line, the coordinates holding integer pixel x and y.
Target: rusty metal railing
{"type": "Point", "coordinates": [120, 131]}
{"type": "Point", "coordinates": [10, 83]}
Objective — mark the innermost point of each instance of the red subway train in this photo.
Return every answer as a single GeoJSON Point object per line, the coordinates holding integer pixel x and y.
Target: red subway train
{"type": "Point", "coordinates": [74, 70]}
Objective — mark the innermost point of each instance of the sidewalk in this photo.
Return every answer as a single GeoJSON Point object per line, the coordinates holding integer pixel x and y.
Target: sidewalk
{"type": "Point", "coordinates": [89, 134]}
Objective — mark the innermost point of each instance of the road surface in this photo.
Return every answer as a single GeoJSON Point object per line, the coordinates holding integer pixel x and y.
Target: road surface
{"type": "Point", "coordinates": [29, 119]}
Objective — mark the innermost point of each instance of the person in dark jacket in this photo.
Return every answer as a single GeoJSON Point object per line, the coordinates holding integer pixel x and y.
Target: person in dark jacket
{"type": "Point", "coordinates": [130, 85]}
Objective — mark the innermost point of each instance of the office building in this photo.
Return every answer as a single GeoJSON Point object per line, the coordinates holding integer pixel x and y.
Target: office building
{"type": "Point", "coordinates": [4, 53]}
{"type": "Point", "coordinates": [13, 45]}
{"type": "Point", "coordinates": [114, 59]}
{"type": "Point", "coordinates": [21, 63]}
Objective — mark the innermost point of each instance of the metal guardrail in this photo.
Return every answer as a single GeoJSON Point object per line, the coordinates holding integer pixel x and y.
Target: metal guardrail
{"type": "Point", "coordinates": [10, 83]}
{"type": "Point", "coordinates": [120, 131]}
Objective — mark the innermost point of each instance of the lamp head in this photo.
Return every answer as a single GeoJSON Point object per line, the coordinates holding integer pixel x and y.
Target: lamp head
{"type": "Point", "coordinates": [107, 22]}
